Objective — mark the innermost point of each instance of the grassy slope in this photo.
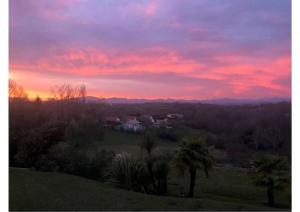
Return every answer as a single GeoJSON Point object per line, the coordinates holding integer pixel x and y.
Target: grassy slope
{"type": "Point", "coordinates": [224, 190]}
{"type": "Point", "coordinates": [223, 185]}
{"type": "Point", "coordinates": [229, 185]}
{"type": "Point", "coordinates": [129, 142]}
{"type": "Point", "coordinates": [30, 190]}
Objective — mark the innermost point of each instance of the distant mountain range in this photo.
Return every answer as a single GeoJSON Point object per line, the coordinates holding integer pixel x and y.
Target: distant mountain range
{"type": "Point", "coordinates": [223, 101]}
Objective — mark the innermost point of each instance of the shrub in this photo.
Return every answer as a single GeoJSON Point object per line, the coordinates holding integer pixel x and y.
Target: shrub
{"type": "Point", "coordinates": [160, 173]}
{"type": "Point", "coordinates": [82, 162]}
{"type": "Point", "coordinates": [29, 153]}
{"type": "Point", "coordinates": [130, 173]}
{"type": "Point", "coordinates": [37, 143]}
{"type": "Point", "coordinates": [92, 167]}
{"type": "Point", "coordinates": [133, 173]}
{"type": "Point", "coordinates": [83, 131]}
{"type": "Point", "coordinates": [273, 172]}
{"type": "Point", "coordinates": [168, 134]}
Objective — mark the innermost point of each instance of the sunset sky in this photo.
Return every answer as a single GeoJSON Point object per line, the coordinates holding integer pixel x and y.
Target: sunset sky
{"type": "Point", "coordinates": [182, 49]}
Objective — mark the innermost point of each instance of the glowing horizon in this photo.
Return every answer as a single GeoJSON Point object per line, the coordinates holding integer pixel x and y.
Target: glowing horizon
{"type": "Point", "coordinates": [193, 49]}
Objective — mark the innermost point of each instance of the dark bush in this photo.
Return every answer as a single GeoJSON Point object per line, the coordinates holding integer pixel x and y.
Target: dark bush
{"type": "Point", "coordinates": [86, 162]}
{"type": "Point", "coordinates": [93, 167]}
{"type": "Point", "coordinates": [84, 131]}
{"type": "Point", "coordinates": [168, 134]}
{"type": "Point", "coordinates": [37, 143]}
{"type": "Point", "coordinates": [131, 173]}
{"type": "Point", "coordinates": [161, 170]}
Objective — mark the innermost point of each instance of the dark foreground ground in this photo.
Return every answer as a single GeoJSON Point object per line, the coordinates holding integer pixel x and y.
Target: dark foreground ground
{"type": "Point", "coordinates": [38, 191]}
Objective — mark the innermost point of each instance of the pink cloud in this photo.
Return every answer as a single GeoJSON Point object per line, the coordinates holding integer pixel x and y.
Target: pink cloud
{"type": "Point", "coordinates": [152, 48]}
{"type": "Point", "coordinates": [147, 9]}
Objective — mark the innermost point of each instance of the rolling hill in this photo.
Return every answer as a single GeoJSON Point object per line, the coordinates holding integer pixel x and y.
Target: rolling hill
{"type": "Point", "coordinates": [224, 101]}
{"type": "Point", "coordinates": [38, 191]}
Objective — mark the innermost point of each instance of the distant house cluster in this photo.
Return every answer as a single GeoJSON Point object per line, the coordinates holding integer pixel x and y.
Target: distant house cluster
{"type": "Point", "coordinates": [140, 123]}
{"type": "Point", "coordinates": [132, 124]}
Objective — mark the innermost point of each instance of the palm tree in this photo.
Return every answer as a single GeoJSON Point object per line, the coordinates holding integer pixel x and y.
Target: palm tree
{"type": "Point", "coordinates": [148, 145]}
{"type": "Point", "coordinates": [192, 154]}
{"type": "Point", "coordinates": [158, 165]}
{"type": "Point", "coordinates": [272, 172]}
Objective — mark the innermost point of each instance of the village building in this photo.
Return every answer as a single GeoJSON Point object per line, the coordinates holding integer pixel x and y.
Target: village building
{"type": "Point", "coordinates": [133, 125]}
{"type": "Point", "coordinates": [146, 120]}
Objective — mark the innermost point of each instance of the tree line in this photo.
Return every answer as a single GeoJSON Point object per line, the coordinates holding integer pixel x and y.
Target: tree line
{"type": "Point", "coordinates": [60, 134]}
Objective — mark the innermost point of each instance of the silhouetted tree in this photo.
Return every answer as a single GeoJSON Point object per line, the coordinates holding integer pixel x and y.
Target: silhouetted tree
{"type": "Point", "coordinates": [16, 91]}
{"type": "Point", "coordinates": [67, 92]}
{"type": "Point", "coordinates": [38, 100]}
{"type": "Point", "coordinates": [272, 172]}
{"type": "Point", "coordinates": [148, 145]}
{"type": "Point", "coordinates": [192, 154]}
{"type": "Point", "coordinates": [68, 100]}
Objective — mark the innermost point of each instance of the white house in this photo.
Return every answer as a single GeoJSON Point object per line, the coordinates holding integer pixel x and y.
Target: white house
{"type": "Point", "coordinates": [132, 125]}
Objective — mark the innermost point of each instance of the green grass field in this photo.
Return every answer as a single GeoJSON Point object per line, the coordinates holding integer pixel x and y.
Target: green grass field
{"type": "Point", "coordinates": [225, 189]}
{"type": "Point", "coordinates": [230, 186]}
{"type": "Point", "coordinates": [129, 142]}
{"type": "Point", "coordinates": [223, 184]}
{"type": "Point", "coordinates": [31, 190]}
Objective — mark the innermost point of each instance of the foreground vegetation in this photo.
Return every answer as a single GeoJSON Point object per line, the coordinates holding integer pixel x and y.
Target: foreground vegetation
{"type": "Point", "coordinates": [31, 190]}
{"type": "Point", "coordinates": [216, 154]}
